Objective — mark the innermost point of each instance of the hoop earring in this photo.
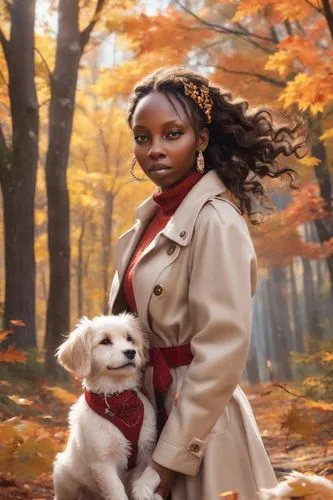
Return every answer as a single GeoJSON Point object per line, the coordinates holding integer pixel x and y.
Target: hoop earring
{"type": "Point", "coordinates": [200, 162]}
{"type": "Point", "coordinates": [136, 179]}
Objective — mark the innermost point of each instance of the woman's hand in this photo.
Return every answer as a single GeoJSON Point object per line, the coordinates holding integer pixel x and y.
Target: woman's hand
{"type": "Point", "coordinates": [167, 477]}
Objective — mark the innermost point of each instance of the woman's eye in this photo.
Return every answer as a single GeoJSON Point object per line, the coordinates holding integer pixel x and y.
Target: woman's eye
{"type": "Point", "coordinates": [140, 138]}
{"type": "Point", "coordinates": [106, 341]}
{"type": "Point", "coordinates": [174, 134]}
{"type": "Point", "coordinates": [129, 338]}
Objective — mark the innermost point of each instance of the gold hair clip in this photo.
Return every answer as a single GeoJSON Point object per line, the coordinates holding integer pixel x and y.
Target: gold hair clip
{"type": "Point", "coordinates": [200, 96]}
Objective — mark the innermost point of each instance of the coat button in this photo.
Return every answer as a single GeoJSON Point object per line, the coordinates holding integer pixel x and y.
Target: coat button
{"type": "Point", "coordinates": [182, 234]}
{"type": "Point", "coordinates": [158, 289]}
{"type": "Point", "coordinates": [171, 249]}
{"type": "Point", "coordinates": [194, 448]}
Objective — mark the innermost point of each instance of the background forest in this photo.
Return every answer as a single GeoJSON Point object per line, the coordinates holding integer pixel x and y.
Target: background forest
{"type": "Point", "coordinates": [66, 69]}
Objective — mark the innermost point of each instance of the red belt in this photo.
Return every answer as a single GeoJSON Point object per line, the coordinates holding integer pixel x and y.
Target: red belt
{"type": "Point", "coordinates": [162, 359]}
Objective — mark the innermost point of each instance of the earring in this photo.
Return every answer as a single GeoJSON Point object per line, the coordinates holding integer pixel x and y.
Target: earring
{"type": "Point", "coordinates": [200, 162]}
{"type": "Point", "coordinates": [137, 179]}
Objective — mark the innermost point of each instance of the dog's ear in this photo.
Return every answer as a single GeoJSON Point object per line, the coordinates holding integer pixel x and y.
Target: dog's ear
{"type": "Point", "coordinates": [75, 353]}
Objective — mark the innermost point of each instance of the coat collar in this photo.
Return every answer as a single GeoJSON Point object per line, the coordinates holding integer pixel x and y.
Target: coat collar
{"type": "Point", "coordinates": [180, 227]}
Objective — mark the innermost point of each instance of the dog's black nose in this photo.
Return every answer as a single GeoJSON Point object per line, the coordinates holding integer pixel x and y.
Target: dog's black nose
{"type": "Point", "coordinates": [130, 353]}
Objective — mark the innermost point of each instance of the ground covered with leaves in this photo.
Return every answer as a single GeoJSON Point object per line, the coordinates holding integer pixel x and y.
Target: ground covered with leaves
{"type": "Point", "coordinates": [34, 427]}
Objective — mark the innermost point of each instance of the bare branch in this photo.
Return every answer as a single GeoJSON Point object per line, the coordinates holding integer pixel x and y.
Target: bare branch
{"type": "Point", "coordinates": [242, 33]}
{"type": "Point", "coordinates": [328, 13]}
{"type": "Point", "coordinates": [45, 62]}
{"type": "Point", "coordinates": [259, 76]}
{"type": "Point", "coordinates": [315, 7]}
{"type": "Point", "coordinates": [4, 151]}
{"type": "Point", "coordinates": [2, 76]}
{"type": "Point", "coordinates": [85, 34]}
{"type": "Point", "coordinates": [5, 44]}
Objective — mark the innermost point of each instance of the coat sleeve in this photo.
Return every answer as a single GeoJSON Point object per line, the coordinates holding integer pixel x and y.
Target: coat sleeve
{"type": "Point", "coordinates": [222, 279]}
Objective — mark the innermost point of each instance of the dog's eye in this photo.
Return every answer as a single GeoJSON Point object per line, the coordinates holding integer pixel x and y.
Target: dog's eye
{"type": "Point", "coordinates": [129, 338]}
{"type": "Point", "coordinates": [106, 341]}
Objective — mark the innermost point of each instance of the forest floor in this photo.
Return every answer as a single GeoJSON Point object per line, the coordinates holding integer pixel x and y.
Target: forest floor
{"type": "Point", "coordinates": [295, 436]}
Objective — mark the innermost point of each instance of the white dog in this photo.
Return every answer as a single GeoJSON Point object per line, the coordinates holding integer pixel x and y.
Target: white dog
{"type": "Point", "coordinates": [108, 352]}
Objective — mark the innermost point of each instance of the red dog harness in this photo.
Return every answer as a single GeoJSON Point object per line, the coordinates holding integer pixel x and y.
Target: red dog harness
{"type": "Point", "coordinates": [125, 411]}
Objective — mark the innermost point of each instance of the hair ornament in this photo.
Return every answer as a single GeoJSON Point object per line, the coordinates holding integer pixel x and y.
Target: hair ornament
{"type": "Point", "coordinates": [201, 96]}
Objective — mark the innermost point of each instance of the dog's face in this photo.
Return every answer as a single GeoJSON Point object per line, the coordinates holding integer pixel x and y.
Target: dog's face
{"type": "Point", "coordinates": [113, 345]}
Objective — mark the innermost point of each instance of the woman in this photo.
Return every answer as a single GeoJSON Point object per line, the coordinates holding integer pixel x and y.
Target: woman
{"type": "Point", "coordinates": [188, 269]}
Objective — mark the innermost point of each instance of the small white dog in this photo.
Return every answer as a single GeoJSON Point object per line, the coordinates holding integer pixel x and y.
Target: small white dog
{"type": "Point", "coordinates": [112, 425]}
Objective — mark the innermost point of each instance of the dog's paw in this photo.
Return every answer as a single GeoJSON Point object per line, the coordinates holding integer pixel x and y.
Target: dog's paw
{"type": "Point", "coordinates": [144, 487]}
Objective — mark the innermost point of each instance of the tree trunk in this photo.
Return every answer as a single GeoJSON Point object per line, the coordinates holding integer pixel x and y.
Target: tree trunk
{"type": "Point", "coordinates": [314, 327]}
{"type": "Point", "coordinates": [63, 90]}
{"type": "Point", "coordinates": [70, 45]}
{"type": "Point", "coordinates": [281, 325]}
{"type": "Point", "coordinates": [18, 175]}
{"type": "Point", "coordinates": [298, 335]}
{"type": "Point", "coordinates": [80, 271]}
{"type": "Point", "coordinates": [106, 251]}
{"type": "Point", "coordinates": [324, 225]}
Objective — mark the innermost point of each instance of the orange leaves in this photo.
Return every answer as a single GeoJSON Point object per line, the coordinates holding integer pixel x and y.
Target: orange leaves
{"type": "Point", "coordinates": [280, 239]}
{"type": "Point", "coordinates": [61, 394]}
{"type": "Point", "coordinates": [159, 40]}
{"type": "Point", "coordinates": [12, 355]}
{"type": "Point", "coordinates": [4, 334]}
{"type": "Point", "coordinates": [17, 322]}
{"type": "Point", "coordinates": [281, 10]}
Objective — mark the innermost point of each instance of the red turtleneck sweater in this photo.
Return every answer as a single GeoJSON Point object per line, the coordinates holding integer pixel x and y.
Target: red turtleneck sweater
{"type": "Point", "coordinates": [168, 202]}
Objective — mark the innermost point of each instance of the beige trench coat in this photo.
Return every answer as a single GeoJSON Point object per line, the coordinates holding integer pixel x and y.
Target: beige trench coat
{"type": "Point", "coordinates": [194, 284]}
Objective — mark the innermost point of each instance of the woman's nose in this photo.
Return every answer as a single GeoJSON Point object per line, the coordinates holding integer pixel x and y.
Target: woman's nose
{"type": "Point", "coordinates": [156, 150]}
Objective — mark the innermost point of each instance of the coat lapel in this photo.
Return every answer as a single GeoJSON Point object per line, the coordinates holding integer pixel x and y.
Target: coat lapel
{"type": "Point", "coordinates": [127, 242]}
{"type": "Point", "coordinates": [178, 230]}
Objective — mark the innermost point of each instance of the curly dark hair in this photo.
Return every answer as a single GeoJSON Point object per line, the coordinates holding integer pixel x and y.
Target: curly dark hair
{"type": "Point", "coordinates": [244, 141]}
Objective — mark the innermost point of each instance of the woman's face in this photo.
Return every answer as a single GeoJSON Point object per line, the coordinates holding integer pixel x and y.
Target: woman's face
{"type": "Point", "coordinates": [165, 144]}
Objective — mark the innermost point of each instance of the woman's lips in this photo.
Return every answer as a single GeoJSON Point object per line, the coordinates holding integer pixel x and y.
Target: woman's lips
{"type": "Point", "coordinates": [159, 170]}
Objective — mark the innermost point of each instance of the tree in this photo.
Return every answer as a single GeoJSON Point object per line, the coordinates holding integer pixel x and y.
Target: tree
{"type": "Point", "coordinates": [71, 43]}
{"type": "Point", "coordinates": [18, 165]}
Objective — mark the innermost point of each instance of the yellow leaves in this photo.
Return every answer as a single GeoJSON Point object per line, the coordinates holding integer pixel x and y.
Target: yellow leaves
{"type": "Point", "coordinates": [311, 92]}
{"type": "Point", "coordinates": [20, 401]}
{"type": "Point", "coordinates": [327, 357]}
{"type": "Point", "coordinates": [281, 61]}
{"type": "Point", "coordinates": [229, 495]}
{"type": "Point", "coordinates": [320, 405]}
{"type": "Point", "coordinates": [25, 448]}
{"type": "Point", "coordinates": [310, 161]}
{"type": "Point", "coordinates": [61, 394]}
{"type": "Point", "coordinates": [298, 422]}
{"type": "Point", "coordinates": [327, 135]}
{"type": "Point", "coordinates": [299, 485]}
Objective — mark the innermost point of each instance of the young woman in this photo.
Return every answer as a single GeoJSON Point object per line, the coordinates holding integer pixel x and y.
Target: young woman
{"type": "Point", "coordinates": [188, 269]}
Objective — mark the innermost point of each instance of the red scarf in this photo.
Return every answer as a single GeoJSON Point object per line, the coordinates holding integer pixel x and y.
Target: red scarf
{"type": "Point", "coordinates": [125, 411]}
